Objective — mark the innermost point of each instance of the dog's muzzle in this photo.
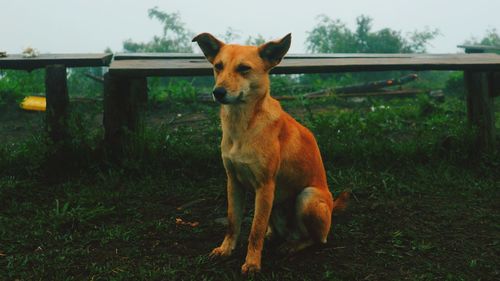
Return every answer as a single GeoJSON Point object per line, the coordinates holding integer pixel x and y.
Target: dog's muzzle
{"type": "Point", "coordinates": [220, 95]}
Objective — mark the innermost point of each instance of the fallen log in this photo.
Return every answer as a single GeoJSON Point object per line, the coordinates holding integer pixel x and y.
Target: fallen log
{"type": "Point", "coordinates": [95, 78]}
{"type": "Point", "coordinates": [368, 87]}
{"type": "Point", "coordinates": [364, 89]}
{"type": "Point", "coordinates": [316, 95]}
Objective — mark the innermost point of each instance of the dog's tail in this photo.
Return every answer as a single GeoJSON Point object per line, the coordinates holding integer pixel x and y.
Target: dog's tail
{"type": "Point", "coordinates": [340, 203]}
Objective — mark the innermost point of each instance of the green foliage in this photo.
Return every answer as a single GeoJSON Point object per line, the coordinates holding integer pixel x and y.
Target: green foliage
{"type": "Point", "coordinates": [490, 38]}
{"type": "Point", "coordinates": [175, 36]}
{"type": "Point", "coordinates": [255, 41]}
{"type": "Point", "coordinates": [230, 36]}
{"type": "Point", "coordinates": [172, 90]}
{"type": "Point", "coordinates": [406, 160]}
{"type": "Point", "coordinates": [15, 85]}
{"type": "Point", "coordinates": [333, 36]}
{"type": "Point", "coordinates": [455, 85]}
{"type": "Point", "coordinates": [79, 83]}
{"type": "Point", "coordinates": [390, 132]}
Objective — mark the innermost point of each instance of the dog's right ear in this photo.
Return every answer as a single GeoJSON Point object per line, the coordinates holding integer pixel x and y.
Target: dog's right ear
{"type": "Point", "coordinates": [274, 51]}
{"type": "Point", "coordinates": [209, 45]}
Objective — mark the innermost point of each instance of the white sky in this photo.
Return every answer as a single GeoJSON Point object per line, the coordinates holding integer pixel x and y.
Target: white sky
{"type": "Point", "coordinates": [64, 26]}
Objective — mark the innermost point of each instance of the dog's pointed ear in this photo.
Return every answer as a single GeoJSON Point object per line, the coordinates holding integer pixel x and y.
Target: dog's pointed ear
{"type": "Point", "coordinates": [274, 51]}
{"type": "Point", "coordinates": [209, 45]}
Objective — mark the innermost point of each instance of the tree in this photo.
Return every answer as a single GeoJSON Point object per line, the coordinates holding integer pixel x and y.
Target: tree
{"type": "Point", "coordinates": [491, 38]}
{"type": "Point", "coordinates": [175, 37]}
{"type": "Point", "coordinates": [333, 36]}
{"type": "Point", "coordinates": [255, 41]}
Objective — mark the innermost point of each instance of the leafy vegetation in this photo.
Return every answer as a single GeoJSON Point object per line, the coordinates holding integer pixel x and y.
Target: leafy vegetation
{"type": "Point", "coordinates": [333, 36]}
{"type": "Point", "coordinates": [419, 196]}
{"type": "Point", "coordinates": [491, 38]}
{"type": "Point", "coordinates": [174, 39]}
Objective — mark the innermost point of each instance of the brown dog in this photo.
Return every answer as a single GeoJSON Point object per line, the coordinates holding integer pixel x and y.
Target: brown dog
{"type": "Point", "coordinates": [266, 151]}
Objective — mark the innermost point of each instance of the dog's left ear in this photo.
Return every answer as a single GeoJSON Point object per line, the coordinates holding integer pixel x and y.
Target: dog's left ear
{"type": "Point", "coordinates": [274, 51]}
{"type": "Point", "coordinates": [209, 45]}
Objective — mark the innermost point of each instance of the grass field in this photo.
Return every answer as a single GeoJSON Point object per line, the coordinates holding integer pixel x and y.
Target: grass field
{"type": "Point", "coordinates": [424, 205]}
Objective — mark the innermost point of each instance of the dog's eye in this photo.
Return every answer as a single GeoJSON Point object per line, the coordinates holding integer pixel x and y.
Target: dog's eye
{"type": "Point", "coordinates": [242, 68]}
{"type": "Point", "coordinates": [219, 66]}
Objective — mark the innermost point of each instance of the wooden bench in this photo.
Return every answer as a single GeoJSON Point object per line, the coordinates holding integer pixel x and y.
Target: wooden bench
{"type": "Point", "coordinates": [126, 84]}
{"type": "Point", "coordinates": [56, 89]}
{"type": "Point", "coordinates": [475, 49]}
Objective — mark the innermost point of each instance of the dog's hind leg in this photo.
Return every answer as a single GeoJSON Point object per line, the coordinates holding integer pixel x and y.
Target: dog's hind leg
{"type": "Point", "coordinates": [313, 218]}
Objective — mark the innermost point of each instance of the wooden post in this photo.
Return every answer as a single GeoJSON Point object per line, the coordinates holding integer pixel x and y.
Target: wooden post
{"type": "Point", "coordinates": [496, 84]}
{"type": "Point", "coordinates": [123, 99]}
{"type": "Point", "coordinates": [57, 103]}
{"type": "Point", "coordinates": [479, 86]}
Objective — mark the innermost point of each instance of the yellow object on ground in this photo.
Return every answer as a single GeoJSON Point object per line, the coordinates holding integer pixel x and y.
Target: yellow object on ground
{"type": "Point", "coordinates": [34, 103]}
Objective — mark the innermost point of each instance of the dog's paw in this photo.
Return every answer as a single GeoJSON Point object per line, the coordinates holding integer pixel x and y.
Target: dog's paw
{"type": "Point", "coordinates": [250, 268]}
{"type": "Point", "coordinates": [220, 252]}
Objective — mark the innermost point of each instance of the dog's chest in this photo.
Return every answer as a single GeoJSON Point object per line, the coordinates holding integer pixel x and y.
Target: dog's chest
{"type": "Point", "coordinates": [243, 163]}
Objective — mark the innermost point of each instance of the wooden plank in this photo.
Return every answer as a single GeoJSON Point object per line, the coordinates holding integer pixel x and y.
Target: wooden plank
{"type": "Point", "coordinates": [471, 49]}
{"type": "Point", "coordinates": [148, 56]}
{"type": "Point", "coordinates": [495, 88]}
{"type": "Point", "coordinates": [480, 108]}
{"type": "Point", "coordinates": [416, 62]}
{"type": "Point", "coordinates": [69, 60]}
{"type": "Point", "coordinates": [57, 103]}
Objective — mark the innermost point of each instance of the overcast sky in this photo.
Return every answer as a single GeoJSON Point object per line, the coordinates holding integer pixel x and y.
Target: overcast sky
{"type": "Point", "coordinates": [63, 26]}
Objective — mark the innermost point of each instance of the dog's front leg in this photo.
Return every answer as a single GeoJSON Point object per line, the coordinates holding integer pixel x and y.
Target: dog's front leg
{"type": "Point", "coordinates": [264, 197]}
{"type": "Point", "coordinates": [235, 209]}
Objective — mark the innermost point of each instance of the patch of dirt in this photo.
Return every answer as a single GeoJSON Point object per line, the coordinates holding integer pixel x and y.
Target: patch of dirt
{"type": "Point", "coordinates": [17, 124]}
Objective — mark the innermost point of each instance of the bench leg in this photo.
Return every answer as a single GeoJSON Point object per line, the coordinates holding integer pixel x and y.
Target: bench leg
{"type": "Point", "coordinates": [56, 90]}
{"type": "Point", "coordinates": [480, 112]}
{"type": "Point", "coordinates": [123, 99]}
{"type": "Point", "coordinates": [496, 84]}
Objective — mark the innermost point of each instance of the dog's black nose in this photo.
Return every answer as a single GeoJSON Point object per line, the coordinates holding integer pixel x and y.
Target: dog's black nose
{"type": "Point", "coordinates": [219, 93]}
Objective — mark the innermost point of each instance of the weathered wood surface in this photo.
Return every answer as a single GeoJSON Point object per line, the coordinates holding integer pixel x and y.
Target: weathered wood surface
{"type": "Point", "coordinates": [495, 84]}
{"type": "Point", "coordinates": [416, 62]}
{"type": "Point", "coordinates": [480, 107]}
{"type": "Point", "coordinates": [123, 99]}
{"type": "Point", "coordinates": [471, 49]}
{"type": "Point", "coordinates": [147, 56]}
{"type": "Point", "coordinates": [19, 62]}
{"type": "Point", "coordinates": [57, 103]}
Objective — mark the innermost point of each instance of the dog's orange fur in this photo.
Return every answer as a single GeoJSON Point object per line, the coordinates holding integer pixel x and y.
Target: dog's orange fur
{"type": "Point", "coordinates": [266, 151]}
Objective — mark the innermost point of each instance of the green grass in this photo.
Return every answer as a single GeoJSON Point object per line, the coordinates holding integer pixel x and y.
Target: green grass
{"type": "Point", "coordinates": [424, 204]}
